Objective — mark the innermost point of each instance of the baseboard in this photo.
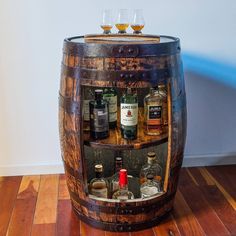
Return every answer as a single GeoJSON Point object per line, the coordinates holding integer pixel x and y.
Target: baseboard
{"type": "Point", "coordinates": [209, 160]}
{"type": "Point", "coordinates": [57, 168]}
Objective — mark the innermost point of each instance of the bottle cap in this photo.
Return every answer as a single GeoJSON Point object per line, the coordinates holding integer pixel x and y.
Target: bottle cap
{"type": "Point", "coordinates": [151, 154]}
{"type": "Point", "coordinates": [123, 177]}
{"type": "Point", "coordinates": [98, 93]}
{"type": "Point", "coordinates": [150, 176]}
{"type": "Point", "coordinates": [98, 168]}
{"type": "Point", "coordinates": [118, 158]}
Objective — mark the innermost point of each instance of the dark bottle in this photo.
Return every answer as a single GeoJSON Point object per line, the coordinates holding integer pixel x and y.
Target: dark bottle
{"type": "Point", "coordinates": [110, 96]}
{"type": "Point", "coordinates": [115, 178]}
{"type": "Point", "coordinates": [129, 115]}
{"type": "Point", "coordinates": [98, 110]}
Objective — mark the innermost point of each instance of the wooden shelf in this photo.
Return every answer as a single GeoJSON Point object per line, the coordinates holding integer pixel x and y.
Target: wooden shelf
{"type": "Point", "coordinates": [115, 141]}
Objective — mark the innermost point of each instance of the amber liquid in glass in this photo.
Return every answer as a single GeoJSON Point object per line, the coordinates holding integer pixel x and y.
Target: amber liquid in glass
{"type": "Point", "coordinates": [122, 27]}
{"type": "Point", "coordinates": [137, 27]}
{"type": "Point", "coordinates": [106, 27]}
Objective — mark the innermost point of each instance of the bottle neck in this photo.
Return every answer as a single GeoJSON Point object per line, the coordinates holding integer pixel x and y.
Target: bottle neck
{"type": "Point", "coordinates": [151, 161]}
{"type": "Point", "coordinates": [98, 175]}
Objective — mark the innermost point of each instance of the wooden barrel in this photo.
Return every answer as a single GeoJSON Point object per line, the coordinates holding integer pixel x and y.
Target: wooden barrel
{"type": "Point", "coordinates": [120, 61]}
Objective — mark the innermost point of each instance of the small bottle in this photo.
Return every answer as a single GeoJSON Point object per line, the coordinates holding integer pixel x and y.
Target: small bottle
{"type": "Point", "coordinates": [163, 92]}
{"type": "Point", "coordinates": [99, 186]}
{"type": "Point", "coordinates": [153, 117]}
{"type": "Point", "coordinates": [88, 96]}
{"type": "Point", "coordinates": [98, 109]}
{"type": "Point", "coordinates": [110, 96]}
{"type": "Point", "coordinates": [150, 187]}
{"type": "Point", "coordinates": [129, 115]}
{"type": "Point", "coordinates": [123, 193]}
{"type": "Point", "coordinates": [115, 178]}
{"type": "Point", "coordinates": [151, 167]}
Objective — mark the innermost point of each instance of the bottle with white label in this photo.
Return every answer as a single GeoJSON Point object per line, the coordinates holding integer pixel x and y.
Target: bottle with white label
{"type": "Point", "coordinates": [153, 113]}
{"type": "Point", "coordinates": [129, 114]}
{"type": "Point", "coordinates": [99, 186]}
{"type": "Point", "coordinates": [110, 96]}
{"type": "Point", "coordinates": [98, 110]}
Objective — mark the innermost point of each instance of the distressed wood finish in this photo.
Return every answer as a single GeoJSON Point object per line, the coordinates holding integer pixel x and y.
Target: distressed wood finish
{"type": "Point", "coordinates": [104, 63]}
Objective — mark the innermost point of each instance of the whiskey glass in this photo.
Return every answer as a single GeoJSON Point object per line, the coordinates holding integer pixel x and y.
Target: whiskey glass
{"type": "Point", "coordinates": [122, 21]}
{"type": "Point", "coordinates": [107, 21]}
{"type": "Point", "coordinates": [138, 21]}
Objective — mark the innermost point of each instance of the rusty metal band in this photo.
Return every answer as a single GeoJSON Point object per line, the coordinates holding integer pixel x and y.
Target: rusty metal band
{"type": "Point", "coordinates": [70, 106]}
{"type": "Point", "coordinates": [122, 227]}
{"type": "Point", "coordinates": [134, 210]}
{"type": "Point", "coordinates": [121, 50]}
{"type": "Point", "coordinates": [151, 76]}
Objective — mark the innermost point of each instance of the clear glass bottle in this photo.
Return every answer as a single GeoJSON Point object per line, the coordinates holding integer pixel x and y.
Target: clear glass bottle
{"type": "Point", "coordinates": [162, 90]}
{"type": "Point", "coordinates": [88, 96]}
{"type": "Point", "coordinates": [98, 109]}
{"type": "Point", "coordinates": [151, 167]}
{"type": "Point", "coordinates": [129, 115]}
{"type": "Point", "coordinates": [153, 117]}
{"type": "Point", "coordinates": [123, 193]}
{"type": "Point", "coordinates": [115, 178]}
{"type": "Point", "coordinates": [110, 95]}
{"type": "Point", "coordinates": [99, 186]}
{"type": "Point", "coordinates": [150, 187]}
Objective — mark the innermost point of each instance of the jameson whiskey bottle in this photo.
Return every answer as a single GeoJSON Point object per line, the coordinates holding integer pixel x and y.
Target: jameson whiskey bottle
{"type": "Point", "coordinates": [88, 96]}
{"type": "Point", "coordinates": [129, 115]}
{"type": "Point", "coordinates": [110, 96]}
{"type": "Point", "coordinates": [153, 109]}
{"type": "Point", "coordinates": [115, 178]}
{"type": "Point", "coordinates": [162, 90]}
{"type": "Point", "coordinates": [123, 193]}
{"type": "Point", "coordinates": [98, 109]}
{"type": "Point", "coordinates": [151, 167]}
{"type": "Point", "coordinates": [99, 186]}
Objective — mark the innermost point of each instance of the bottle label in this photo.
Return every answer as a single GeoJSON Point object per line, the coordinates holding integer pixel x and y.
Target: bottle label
{"type": "Point", "coordinates": [112, 104]}
{"type": "Point", "coordinates": [99, 120]}
{"type": "Point", "coordinates": [129, 114]}
{"type": "Point", "coordinates": [154, 115]}
{"type": "Point", "coordinates": [100, 192]}
{"type": "Point", "coordinates": [86, 110]}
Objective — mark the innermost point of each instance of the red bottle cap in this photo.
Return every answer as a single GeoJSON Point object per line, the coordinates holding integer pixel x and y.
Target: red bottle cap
{"type": "Point", "coordinates": [123, 177]}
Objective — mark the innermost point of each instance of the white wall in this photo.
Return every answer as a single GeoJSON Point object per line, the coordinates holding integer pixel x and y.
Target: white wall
{"type": "Point", "coordinates": [31, 35]}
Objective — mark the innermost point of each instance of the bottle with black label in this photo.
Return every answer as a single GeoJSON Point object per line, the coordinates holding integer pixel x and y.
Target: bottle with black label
{"type": "Point", "coordinates": [153, 113]}
{"type": "Point", "coordinates": [98, 110]}
{"type": "Point", "coordinates": [129, 115]}
{"type": "Point", "coordinates": [110, 96]}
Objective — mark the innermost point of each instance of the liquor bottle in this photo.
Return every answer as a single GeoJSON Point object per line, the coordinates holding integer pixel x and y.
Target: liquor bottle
{"type": "Point", "coordinates": [129, 115]}
{"type": "Point", "coordinates": [163, 92]}
{"type": "Point", "coordinates": [123, 193]}
{"type": "Point", "coordinates": [98, 186]}
{"type": "Point", "coordinates": [151, 167]}
{"type": "Point", "coordinates": [153, 117]}
{"type": "Point", "coordinates": [110, 96]}
{"type": "Point", "coordinates": [149, 188]}
{"type": "Point", "coordinates": [88, 96]}
{"type": "Point", "coordinates": [98, 109]}
{"type": "Point", "coordinates": [115, 178]}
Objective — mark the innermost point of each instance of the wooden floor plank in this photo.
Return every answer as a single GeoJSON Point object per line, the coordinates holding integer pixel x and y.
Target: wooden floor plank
{"type": "Point", "coordinates": [146, 232]}
{"type": "Point", "coordinates": [9, 187]}
{"type": "Point", "coordinates": [167, 227]}
{"type": "Point", "coordinates": [46, 207]}
{"type": "Point", "coordinates": [107, 233]}
{"type": "Point", "coordinates": [67, 222]}
{"type": "Point", "coordinates": [63, 192]}
{"type": "Point", "coordinates": [207, 217]}
{"type": "Point", "coordinates": [44, 229]}
{"type": "Point", "coordinates": [185, 219]}
{"type": "Point", "coordinates": [23, 213]}
{"type": "Point", "coordinates": [86, 230]}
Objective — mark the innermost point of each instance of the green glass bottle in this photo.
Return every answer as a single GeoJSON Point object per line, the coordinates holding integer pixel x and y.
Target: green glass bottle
{"type": "Point", "coordinates": [98, 110]}
{"type": "Point", "coordinates": [129, 115]}
{"type": "Point", "coordinates": [110, 95]}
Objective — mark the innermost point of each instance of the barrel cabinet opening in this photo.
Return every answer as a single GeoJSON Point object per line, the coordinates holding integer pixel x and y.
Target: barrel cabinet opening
{"type": "Point", "coordinates": [139, 62]}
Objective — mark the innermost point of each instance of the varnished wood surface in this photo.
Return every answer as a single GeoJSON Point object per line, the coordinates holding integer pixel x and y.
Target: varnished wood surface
{"type": "Point", "coordinates": [40, 205]}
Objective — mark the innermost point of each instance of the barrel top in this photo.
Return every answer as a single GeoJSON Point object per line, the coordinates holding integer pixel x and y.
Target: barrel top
{"type": "Point", "coordinates": [121, 45]}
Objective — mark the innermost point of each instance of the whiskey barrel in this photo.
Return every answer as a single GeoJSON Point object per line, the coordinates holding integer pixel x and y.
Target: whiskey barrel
{"type": "Point", "coordinates": [139, 61]}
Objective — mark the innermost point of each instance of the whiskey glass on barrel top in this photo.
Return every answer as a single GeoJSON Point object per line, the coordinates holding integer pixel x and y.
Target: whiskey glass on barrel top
{"type": "Point", "coordinates": [138, 21]}
{"type": "Point", "coordinates": [122, 21]}
{"type": "Point", "coordinates": [107, 21]}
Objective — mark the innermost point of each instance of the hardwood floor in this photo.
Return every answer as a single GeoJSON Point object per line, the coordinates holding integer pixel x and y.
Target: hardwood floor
{"type": "Point", "coordinates": [205, 204]}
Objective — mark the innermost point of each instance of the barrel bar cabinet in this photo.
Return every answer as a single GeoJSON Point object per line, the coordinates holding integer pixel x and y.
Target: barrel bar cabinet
{"type": "Point", "coordinates": [120, 61]}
